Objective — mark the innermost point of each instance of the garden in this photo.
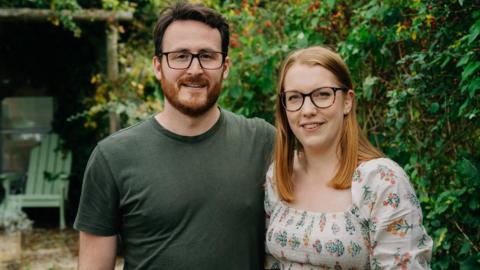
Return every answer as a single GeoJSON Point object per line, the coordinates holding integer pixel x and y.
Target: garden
{"type": "Point", "coordinates": [416, 72]}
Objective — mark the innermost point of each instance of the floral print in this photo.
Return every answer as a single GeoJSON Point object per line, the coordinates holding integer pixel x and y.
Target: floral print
{"type": "Point", "coordinates": [335, 247]}
{"type": "Point", "coordinates": [399, 227]}
{"type": "Point", "coordinates": [392, 199]}
{"type": "Point", "coordinates": [384, 219]}
{"type": "Point", "coordinates": [322, 222]}
{"type": "Point", "coordinates": [317, 246]}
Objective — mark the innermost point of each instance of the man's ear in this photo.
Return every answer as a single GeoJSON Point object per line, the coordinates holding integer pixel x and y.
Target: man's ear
{"type": "Point", "coordinates": [348, 101]}
{"type": "Point", "coordinates": [157, 67]}
{"type": "Point", "coordinates": [226, 67]}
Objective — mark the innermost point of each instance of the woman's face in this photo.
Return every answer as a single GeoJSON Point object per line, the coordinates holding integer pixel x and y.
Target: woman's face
{"type": "Point", "coordinates": [316, 129]}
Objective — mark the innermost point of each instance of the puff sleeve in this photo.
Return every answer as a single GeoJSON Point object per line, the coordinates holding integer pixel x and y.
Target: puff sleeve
{"type": "Point", "coordinates": [390, 216]}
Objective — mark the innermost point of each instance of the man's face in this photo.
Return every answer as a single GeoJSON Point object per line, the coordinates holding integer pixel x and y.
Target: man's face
{"type": "Point", "coordinates": [195, 90]}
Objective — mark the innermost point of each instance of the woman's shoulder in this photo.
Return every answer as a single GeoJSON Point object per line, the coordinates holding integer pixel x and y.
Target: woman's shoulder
{"type": "Point", "coordinates": [379, 163]}
{"type": "Point", "coordinates": [381, 181]}
{"type": "Point", "coordinates": [379, 168]}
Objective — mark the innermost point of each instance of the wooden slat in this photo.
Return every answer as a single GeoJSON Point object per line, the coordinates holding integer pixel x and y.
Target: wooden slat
{"type": "Point", "coordinates": [30, 14]}
{"type": "Point", "coordinates": [40, 190]}
{"type": "Point", "coordinates": [49, 185]}
{"type": "Point", "coordinates": [32, 169]}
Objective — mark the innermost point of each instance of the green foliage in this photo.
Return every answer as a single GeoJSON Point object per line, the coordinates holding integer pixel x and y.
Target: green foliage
{"type": "Point", "coordinates": [415, 66]}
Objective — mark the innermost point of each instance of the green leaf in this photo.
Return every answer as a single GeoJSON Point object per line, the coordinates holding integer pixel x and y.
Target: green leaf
{"type": "Point", "coordinates": [474, 32]}
{"type": "Point", "coordinates": [465, 248]}
{"type": "Point", "coordinates": [331, 4]}
{"type": "Point", "coordinates": [473, 204]}
{"type": "Point", "coordinates": [368, 85]}
{"type": "Point", "coordinates": [471, 263]}
{"type": "Point", "coordinates": [441, 233]}
{"type": "Point", "coordinates": [465, 59]}
{"type": "Point", "coordinates": [472, 87]}
{"type": "Point", "coordinates": [470, 69]}
{"type": "Point", "coordinates": [467, 169]}
{"type": "Point", "coordinates": [434, 107]}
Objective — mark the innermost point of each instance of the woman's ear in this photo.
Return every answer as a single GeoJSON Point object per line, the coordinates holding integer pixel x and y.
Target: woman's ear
{"type": "Point", "coordinates": [348, 101]}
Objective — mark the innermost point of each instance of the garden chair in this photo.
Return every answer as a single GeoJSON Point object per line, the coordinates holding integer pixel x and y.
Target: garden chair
{"type": "Point", "coordinates": [46, 179]}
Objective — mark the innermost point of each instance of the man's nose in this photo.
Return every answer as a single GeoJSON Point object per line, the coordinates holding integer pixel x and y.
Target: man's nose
{"type": "Point", "coordinates": [195, 67]}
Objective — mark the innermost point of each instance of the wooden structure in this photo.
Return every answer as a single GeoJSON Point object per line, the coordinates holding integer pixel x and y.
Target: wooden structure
{"type": "Point", "coordinates": [110, 18]}
{"type": "Point", "coordinates": [47, 178]}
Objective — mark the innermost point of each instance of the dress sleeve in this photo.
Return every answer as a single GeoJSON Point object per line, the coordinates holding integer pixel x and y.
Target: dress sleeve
{"type": "Point", "coordinates": [271, 199]}
{"type": "Point", "coordinates": [390, 217]}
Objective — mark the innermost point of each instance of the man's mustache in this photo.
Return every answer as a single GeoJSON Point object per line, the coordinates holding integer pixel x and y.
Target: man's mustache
{"type": "Point", "coordinates": [195, 79]}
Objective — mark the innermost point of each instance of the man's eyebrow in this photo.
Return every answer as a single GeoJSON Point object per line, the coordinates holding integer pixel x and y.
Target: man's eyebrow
{"type": "Point", "coordinates": [187, 50]}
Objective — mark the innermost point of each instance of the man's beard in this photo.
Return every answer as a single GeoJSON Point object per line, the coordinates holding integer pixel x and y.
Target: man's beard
{"type": "Point", "coordinates": [191, 107]}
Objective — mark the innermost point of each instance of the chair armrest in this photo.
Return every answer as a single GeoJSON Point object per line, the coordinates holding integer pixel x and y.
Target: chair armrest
{"type": "Point", "coordinates": [10, 176]}
{"type": "Point", "coordinates": [7, 178]}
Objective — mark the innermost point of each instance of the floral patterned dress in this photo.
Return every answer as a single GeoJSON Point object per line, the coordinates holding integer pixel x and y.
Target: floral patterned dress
{"type": "Point", "coordinates": [382, 229]}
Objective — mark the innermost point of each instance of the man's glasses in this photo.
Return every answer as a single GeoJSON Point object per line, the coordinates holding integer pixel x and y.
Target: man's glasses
{"type": "Point", "coordinates": [322, 98]}
{"type": "Point", "coordinates": [184, 59]}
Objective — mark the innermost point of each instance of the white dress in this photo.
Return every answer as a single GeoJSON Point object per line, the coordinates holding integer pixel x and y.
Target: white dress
{"type": "Point", "coordinates": [382, 229]}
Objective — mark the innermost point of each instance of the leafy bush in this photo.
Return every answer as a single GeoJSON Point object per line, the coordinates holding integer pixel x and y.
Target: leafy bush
{"type": "Point", "coordinates": [415, 66]}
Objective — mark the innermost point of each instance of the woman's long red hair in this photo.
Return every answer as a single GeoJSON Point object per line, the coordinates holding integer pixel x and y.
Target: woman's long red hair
{"type": "Point", "coordinates": [354, 147]}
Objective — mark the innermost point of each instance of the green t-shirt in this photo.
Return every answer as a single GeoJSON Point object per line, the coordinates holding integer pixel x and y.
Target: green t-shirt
{"type": "Point", "coordinates": [181, 202]}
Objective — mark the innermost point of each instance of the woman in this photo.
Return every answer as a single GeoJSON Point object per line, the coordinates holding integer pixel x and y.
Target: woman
{"type": "Point", "coordinates": [332, 200]}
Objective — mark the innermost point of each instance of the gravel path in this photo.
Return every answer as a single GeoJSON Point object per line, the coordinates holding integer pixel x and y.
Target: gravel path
{"type": "Point", "coordinates": [44, 249]}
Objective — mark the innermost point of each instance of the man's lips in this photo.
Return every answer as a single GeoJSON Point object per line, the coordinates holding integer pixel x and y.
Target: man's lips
{"type": "Point", "coordinates": [194, 85]}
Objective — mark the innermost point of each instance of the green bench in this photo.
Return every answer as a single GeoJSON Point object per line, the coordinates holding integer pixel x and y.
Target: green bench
{"type": "Point", "coordinates": [47, 178]}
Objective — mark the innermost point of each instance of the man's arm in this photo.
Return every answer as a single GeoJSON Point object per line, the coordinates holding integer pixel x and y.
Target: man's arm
{"type": "Point", "coordinates": [96, 252]}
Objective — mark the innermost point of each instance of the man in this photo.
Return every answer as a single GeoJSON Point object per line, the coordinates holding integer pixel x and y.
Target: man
{"type": "Point", "coordinates": [183, 189]}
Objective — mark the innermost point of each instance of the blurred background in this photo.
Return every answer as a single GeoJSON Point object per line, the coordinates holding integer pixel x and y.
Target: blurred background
{"type": "Point", "coordinates": [82, 69]}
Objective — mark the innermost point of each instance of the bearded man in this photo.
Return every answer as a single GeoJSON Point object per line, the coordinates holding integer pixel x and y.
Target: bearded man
{"type": "Point", "coordinates": [183, 189]}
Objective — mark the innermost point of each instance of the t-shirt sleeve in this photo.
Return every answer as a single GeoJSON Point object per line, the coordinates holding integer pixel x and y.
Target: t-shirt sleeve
{"type": "Point", "coordinates": [390, 216]}
{"type": "Point", "coordinates": [268, 140]}
{"type": "Point", "coordinates": [271, 199]}
{"type": "Point", "coordinates": [98, 209]}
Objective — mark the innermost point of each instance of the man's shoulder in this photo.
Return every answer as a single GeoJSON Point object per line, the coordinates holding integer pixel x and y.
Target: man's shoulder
{"type": "Point", "coordinates": [244, 122]}
{"type": "Point", "coordinates": [126, 136]}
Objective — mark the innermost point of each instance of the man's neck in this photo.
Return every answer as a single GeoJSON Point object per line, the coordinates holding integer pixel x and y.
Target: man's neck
{"type": "Point", "coordinates": [185, 125]}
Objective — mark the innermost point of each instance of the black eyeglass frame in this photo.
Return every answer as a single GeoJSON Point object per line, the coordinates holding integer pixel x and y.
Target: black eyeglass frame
{"type": "Point", "coordinates": [335, 89]}
{"type": "Point", "coordinates": [194, 55]}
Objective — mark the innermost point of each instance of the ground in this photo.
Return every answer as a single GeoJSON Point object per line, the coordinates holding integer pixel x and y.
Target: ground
{"type": "Point", "coordinates": [47, 249]}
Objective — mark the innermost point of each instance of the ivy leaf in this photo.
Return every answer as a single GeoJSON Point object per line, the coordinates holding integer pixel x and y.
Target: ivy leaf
{"type": "Point", "coordinates": [474, 32]}
{"type": "Point", "coordinates": [470, 69]}
{"type": "Point", "coordinates": [465, 248]}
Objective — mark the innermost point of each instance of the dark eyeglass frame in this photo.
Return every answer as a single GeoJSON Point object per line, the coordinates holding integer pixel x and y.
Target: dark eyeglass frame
{"type": "Point", "coordinates": [335, 89]}
{"type": "Point", "coordinates": [194, 55]}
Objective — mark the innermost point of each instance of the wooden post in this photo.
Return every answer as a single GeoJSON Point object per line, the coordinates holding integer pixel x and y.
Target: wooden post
{"type": "Point", "coordinates": [112, 69]}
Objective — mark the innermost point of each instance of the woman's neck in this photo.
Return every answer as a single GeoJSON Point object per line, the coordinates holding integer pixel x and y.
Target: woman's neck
{"type": "Point", "coordinates": [323, 164]}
